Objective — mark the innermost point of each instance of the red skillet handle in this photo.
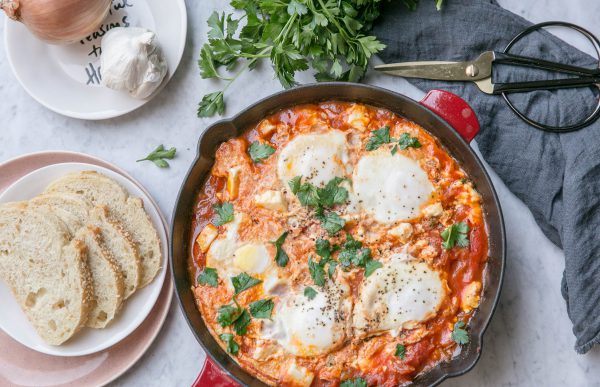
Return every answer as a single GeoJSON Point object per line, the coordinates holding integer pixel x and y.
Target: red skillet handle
{"type": "Point", "coordinates": [454, 110]}
{"type": "Point", "coordinates": [213, 376]}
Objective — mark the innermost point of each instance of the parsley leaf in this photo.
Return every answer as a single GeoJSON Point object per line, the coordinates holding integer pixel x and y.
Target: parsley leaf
{"type": "Point", "coordinates": [321, 198]}
{"type": "Point", "coordinates": [400, 351]}
{"type": "Point", "coordinates": [353, 254]}
{"type": "Point", "coordinates": [331, 222]}
{"type": "Point", "coordinates": [209, 276]}
{"type": "Point", "coordinates": [308, 195]}
{"type": "Point", "coordinates": [310, 293]}
{"type": "Point", "coordinates": [455, 235]}
{"type": "Point", "coordinates": [317, 272]}
{"type": "Point", "coordinates": [243, 282]}
{"type": "Point", "coordinates": [371, 266]}
{"type": "Point", "coordinates": [358, 382]}
{"type": "Point", "coordinates": [281, 256]}
{"type": "Point", "coordinates": [160, 155]}
{"type": "Point", "coordinates": [241, 323]}
{"type": "Point", "coordinates": [406, 141]}
{"type": "Point", "coordinates": [211, 103]}
{"type": "Point", "coordinates": [261, 308]}
{"type": "Point", "coordinates": [460, 335]}
{"type": "Point", "coordinates": [228, 314]}
{"type": "Point", "coordinates": [311, 196]}
{"type": "Point", "coordinates": [333, 194]}
{"type": "Point", "coordinates": [232, 346]}
{"type": "Point", "coordinates": [325, 249]}
{"type": "Point", "coordinates": [380, 136]}
{"type": "Point", "coordinates": [259, 151]}
{"type": "Point", "coordinates": [295, 184]}
{"type": "Point", "coordinates": [332, 36]}
{"type": "Point", "coordinates": [224, 214]}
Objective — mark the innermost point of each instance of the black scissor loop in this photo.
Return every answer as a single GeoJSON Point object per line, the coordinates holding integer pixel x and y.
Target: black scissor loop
{"type": "Point", "coordinates": [588, 76]}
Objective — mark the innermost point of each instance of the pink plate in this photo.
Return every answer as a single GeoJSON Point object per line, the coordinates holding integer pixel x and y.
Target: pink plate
{"type": "Point", "coordinates": [21, 366]}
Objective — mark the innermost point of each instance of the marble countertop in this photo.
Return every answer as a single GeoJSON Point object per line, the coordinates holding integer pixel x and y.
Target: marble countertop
{"type": "Point", "coordinates": [529, 341]}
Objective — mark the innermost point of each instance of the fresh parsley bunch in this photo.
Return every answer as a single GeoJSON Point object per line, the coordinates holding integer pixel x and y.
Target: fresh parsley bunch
{"type": "Point", "coordinates": [330, 35]}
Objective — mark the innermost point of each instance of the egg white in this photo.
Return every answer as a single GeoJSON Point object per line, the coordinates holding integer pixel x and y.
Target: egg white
{"type": "Point", "coordinates": [231, 257]}
{"type": "Point", "coordinates": [304, 327]}
{"type": "Point", "coordinates": [390, 187]}
{"type": "Point", "coordinates": [317, 157]}
{"type": "Point", "coordinates": [399, 295]}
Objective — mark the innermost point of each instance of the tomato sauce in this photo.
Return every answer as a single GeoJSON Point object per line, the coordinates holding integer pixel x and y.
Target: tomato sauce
{"type": "Point", "coordinates": [462, 268]}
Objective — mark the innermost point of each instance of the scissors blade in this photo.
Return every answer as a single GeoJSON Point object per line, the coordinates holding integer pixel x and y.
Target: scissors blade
{"type": "Point", "coordinates": [473, 70]}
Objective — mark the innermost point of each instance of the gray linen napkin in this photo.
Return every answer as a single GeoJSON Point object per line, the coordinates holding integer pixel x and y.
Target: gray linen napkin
{"type": "Point", "coordinates": [556, 175]}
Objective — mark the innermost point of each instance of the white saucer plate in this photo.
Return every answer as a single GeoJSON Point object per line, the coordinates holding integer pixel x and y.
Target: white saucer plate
{"type": "Point", "coordinates": [67, 78]}
{"type": "Point", "coordinates": [88, 341]}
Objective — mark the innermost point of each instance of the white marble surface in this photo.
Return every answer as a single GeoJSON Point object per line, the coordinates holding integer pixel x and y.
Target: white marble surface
{"type": "Point", "coordinates": [529, 341]}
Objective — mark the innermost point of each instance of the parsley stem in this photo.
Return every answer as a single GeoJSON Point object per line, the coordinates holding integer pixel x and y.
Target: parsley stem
{"type": "Point", "coordinates": [246, 65]}
{"type": "Point", "coordinates": [341, 30]}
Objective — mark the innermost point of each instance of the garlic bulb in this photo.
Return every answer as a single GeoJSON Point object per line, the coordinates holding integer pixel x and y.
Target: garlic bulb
{"type": "Point", "coordinates": [58, 21]}
{"type": "Point", "coordinates": [132, 61]}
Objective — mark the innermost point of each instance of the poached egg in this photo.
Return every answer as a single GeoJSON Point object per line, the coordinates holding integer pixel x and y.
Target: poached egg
{"type": "Point", "coordinates": [390, 187]}
{"type": "Point", "coordinates": [305, 327]}
{"type": "Point", "coordinates": [399, 295]}
{"type": "Point", "coordinates": [317, 157]}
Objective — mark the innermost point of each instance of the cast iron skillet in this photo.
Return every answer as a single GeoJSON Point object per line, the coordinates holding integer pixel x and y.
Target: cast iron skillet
{"type": "Point", "coordinates": [443, 114]}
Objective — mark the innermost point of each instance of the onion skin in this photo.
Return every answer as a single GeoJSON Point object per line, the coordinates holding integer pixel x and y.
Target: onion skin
{"type": "Point", "coordinates": [58, 21]}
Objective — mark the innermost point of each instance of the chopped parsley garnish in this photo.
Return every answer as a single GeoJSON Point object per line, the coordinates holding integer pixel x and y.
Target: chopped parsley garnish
{"type": "Point", "coordinates": [455, 235]}
{"type": "Point", "coordinates": [324, 248]}
{"type": "Point", "coordinates": [237, 316]}
{"type": "Point", "coordinates": [358, 382]}
{"type": "Point", "coordinates": [353, 254]}
{"type": "Point", "coordinates": [228, 314]}
{"type": "Point", "coordinates": [209, 276]}
{"type": "Point", "coordinates": [406, 141]}
{"type": "Point", "coordinates": [241, 324]}
{"type": "Point", "coordinates": [460, 335]}
{"type": "Point", "coordinates": [232, 346]}
{"type": "Point", "coordinates": [331, 222]}
{"type": "Point", "coordinates": [159, 156]}
{"type": "Point", "coordinates": [224, 214]}
{"type": "Point", "coordinates": [371, 266]}
{"type": "Point", "coordinates": [262, 308]}
{"type": "Point", "coordinates": [259, 151]}
{"type": "Point", "coordinates": [317, 271]}
{"type": "Point", "coordinates": [322, 198]}
{"type": "Point", "coordinates": [281, 256]}
{"type": "Point", "coordinates": [333, 194]}
{"type": "Point", "coordinates": [243, 282]}
{"type": "Point", "coordinates": [310, 293]}
{"type": "Point", "coordinates": [400, 351]}
{"type": "Point", "coordinates": [380, 136]}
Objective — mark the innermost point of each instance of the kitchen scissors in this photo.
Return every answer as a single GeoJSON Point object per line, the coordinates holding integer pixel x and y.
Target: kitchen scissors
{"type": "Point", "coordinates": [479, 71]}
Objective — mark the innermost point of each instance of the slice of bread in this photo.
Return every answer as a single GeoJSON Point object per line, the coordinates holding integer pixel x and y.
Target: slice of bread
{"type": "Point", "coordinates": [78, 212]}
{"type": "Point", "coordinates": [129, 211]}
{"type": "Point", "coordinates": [122, 247]}
{"type": "Point", "coordinates": [46, 271]}
{"type": "Point", "coordinates": [106, 274]}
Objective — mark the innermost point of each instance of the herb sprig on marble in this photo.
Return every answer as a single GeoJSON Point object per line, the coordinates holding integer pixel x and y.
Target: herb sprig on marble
{"type": "Point", "coordinates": [331, 36]}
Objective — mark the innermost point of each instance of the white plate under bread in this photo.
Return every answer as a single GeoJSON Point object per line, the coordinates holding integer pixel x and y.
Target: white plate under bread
{"type": "Point", "coordinates": [13, 320]}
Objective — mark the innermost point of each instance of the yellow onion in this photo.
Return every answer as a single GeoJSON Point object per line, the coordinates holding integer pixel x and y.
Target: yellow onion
{"type": "Point", "coordinates": [58, 21]}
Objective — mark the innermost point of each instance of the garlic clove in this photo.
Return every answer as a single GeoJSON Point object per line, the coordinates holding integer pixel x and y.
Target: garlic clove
{"type": "Point", "coordinates": [132, 61]}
